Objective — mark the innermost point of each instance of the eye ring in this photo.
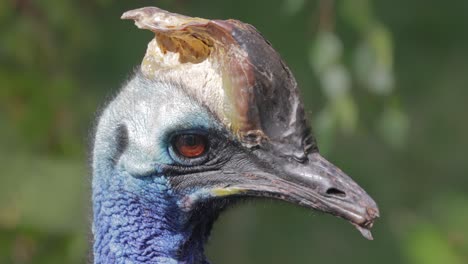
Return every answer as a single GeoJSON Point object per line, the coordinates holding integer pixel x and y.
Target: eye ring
{"type": "Point", "coordinates": [189, 148]}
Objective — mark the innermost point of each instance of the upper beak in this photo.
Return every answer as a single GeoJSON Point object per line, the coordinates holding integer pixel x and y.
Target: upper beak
{"type": "Point", "coordinates": [316, 184]}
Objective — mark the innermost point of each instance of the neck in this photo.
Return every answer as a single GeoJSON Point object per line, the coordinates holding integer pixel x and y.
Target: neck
{"type": "Point", "coordinates": [134, 227]}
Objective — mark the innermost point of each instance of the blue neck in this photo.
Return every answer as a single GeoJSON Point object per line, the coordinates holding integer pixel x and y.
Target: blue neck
{"type": "Point", "coordinates": [134, 224]}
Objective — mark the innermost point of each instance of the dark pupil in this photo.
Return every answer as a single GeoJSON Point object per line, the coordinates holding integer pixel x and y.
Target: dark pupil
{"type": "Point", "coordinates": [190, 140]}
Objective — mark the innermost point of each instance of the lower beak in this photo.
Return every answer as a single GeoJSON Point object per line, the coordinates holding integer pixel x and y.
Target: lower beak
{"type": "Point", "coordinates": [316, 184]}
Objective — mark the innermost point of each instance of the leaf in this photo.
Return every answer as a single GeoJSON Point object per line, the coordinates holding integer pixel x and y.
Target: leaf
{"type": "Point", "coordinates": [376, 75]}
{"type": "Point", "coordinates": [346, 112]}
{"type": "Point", "coordinates": [381, 41]}
{"type": "Point", "coordinates": [326, 50]}
{"type": "Point", "coordinates": [335, 81]}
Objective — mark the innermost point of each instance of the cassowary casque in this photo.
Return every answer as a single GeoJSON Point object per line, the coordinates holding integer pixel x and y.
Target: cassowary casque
{"type": "Point", "coordinates": [212, 115]}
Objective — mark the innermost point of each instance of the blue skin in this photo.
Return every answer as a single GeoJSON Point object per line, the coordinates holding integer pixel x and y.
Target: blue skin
{"type": "Point", "coordinates": [138, 217]}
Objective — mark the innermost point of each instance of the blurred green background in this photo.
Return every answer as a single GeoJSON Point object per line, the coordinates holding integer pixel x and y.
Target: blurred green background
{"type": "Point", "coordinates": [385, 82]}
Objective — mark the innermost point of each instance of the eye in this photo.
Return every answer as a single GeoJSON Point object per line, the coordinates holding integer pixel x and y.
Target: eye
{"type": "Point", "coordinates": [190, 145]}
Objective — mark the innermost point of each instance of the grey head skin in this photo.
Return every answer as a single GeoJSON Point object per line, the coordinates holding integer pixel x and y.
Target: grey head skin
{"type": "Point", "coordinates": [151, 202]}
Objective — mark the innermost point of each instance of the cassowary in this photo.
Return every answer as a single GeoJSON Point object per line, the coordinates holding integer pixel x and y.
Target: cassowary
{"type": "Point", "coordinates": [213, 115]}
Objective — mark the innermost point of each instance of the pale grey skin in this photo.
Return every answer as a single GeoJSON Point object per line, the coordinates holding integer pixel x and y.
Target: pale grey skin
{"type": "Point", "coordinates": [150, 109]}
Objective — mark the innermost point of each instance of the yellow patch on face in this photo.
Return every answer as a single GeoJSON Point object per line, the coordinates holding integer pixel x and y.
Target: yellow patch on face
{"type": "Point", "coordinates": [226, 191]}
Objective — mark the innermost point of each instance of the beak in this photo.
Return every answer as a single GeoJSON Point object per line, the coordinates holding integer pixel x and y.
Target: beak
{"type": "Point", "coordinates": [316, 184]}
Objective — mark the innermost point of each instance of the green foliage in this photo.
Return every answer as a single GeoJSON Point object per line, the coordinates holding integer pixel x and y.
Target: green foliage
{"type": "Point", "coordinates": [372, 69]}
{"type": "Point", "coordinates": [383, 79]}
{"type": "Point", "coordinates": [335, 80]}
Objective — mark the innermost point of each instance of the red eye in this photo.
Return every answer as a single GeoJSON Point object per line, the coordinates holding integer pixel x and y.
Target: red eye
{"type": "Point", "coordinates": [190, 145]}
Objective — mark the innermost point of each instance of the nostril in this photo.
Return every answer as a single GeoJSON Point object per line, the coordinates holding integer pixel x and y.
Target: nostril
{"type": "Point", "coordinates": [336, 192]}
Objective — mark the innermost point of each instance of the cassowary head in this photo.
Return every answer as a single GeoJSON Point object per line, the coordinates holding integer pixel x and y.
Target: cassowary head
{"type": "Point", "coordinates": [212, 115]}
